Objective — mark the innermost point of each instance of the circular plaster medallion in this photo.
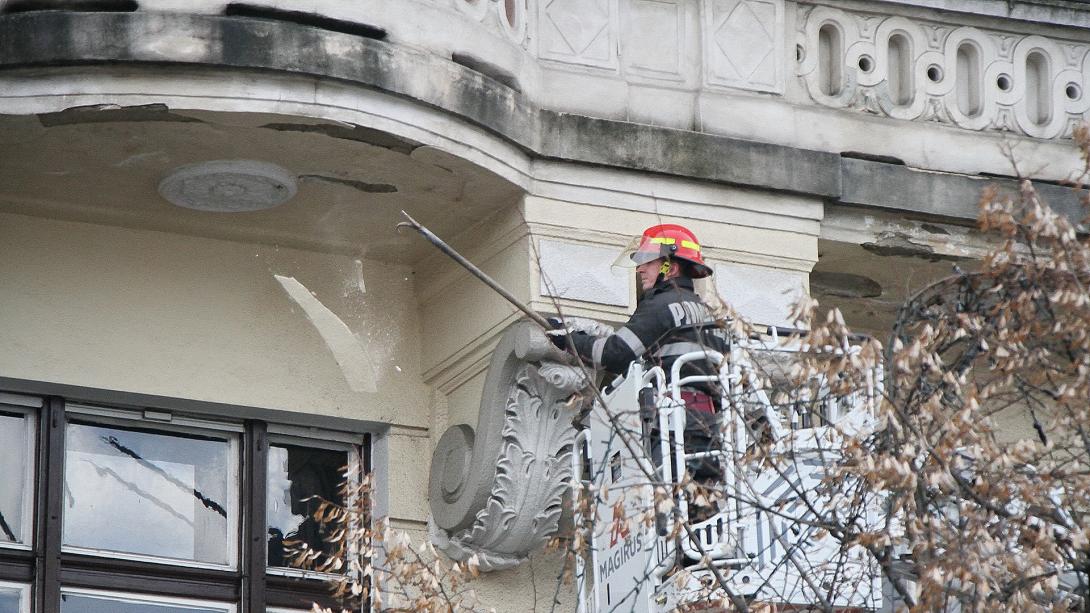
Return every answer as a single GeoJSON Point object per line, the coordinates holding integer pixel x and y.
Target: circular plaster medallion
{"type": "Point", "coordinates": [228, 186]}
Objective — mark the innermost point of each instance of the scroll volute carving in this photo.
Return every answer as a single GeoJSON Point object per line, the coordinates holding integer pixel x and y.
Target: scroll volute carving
{"type": "Point", "coordinates": [496, 491]}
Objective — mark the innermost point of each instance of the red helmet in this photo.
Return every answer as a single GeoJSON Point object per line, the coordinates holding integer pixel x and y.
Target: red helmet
{"type": "Point", "coordinates": [669, 241]}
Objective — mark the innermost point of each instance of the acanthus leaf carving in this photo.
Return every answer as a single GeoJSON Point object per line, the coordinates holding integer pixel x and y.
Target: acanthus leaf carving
{"type": "Point", "coordinates": [510, 499]}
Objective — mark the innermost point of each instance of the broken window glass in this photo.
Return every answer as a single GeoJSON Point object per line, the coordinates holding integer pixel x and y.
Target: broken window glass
{"type": "Point", "coordinates": [151, 493]}
{"type": "Point", "coordinates": [110, 603]}
{"type": "Point", "coordinates": [299, 478]}
{"type": "Point", "coordinates": [16, 454]}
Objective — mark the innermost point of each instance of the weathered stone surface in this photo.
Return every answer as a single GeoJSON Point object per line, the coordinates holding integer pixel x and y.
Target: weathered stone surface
{"type": "Point", "coordinates": [898, 187]}
{"type": "Point", "coordinates": [246, 43]}
{"type": "Point", "coordinates": [692, 154]}
{"type": "Point", "coordinates": [239, 42]}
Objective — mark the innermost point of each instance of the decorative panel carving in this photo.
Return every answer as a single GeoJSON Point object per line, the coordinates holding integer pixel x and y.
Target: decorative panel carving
{"type": "Point", "coordinates": [582, 32]}
{"type": "Point", "coordinates": [761, 295]}
{"type": "Point", "coordinates": [654, 35]}
{"type": "Point", "coordinates": [581, 272]}
{"type": "Point", "coordinates": [966, 77]}
{"type": "Point", "coordinates": [743, 44]}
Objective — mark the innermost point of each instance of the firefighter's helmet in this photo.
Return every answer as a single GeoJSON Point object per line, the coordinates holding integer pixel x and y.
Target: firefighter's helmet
{"type": "Point", "coordinates": [667, 241]}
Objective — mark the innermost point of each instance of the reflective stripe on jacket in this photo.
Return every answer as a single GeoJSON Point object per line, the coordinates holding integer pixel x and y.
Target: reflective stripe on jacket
{"type": "Point", "coordinates": [661, 327]}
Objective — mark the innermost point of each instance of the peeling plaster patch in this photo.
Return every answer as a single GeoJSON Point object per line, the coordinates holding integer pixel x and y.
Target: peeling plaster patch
{"type": "Point", "coordinates": [358, 265]}
{"type": "Point", "coordinates": [175, 46]}
{"type": "Point", "coordinates": [83, 6]}
{"type": "Point", "coordinates": [359, 134]}
{"type": "Point", "coordinates": [488, 69]}
{"type": "Point", "coordinates": [242, 9]}
{"type": "Point", "coordinates": [107, 113]}
{"type": "Point", "coordinates": [933, 229]}
{"type": "Point", "coordinates": [872, 157]}
{"type": "Point", "coordinates": [346, 347]}
{"type": "Point", "coordinates": [897, 244]}
{"type": "Point", "coordinates": [845, 285]}
{"type": "Point", "coordinates": [363, 186]}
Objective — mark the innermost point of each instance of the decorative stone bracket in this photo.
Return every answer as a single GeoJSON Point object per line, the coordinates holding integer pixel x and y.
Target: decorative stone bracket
{"type": "Point", "coordinates": [496, 492]}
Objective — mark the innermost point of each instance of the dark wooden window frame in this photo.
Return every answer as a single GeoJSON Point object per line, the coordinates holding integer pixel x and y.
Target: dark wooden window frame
{"type": "Point", "coordinates": [47, 568]}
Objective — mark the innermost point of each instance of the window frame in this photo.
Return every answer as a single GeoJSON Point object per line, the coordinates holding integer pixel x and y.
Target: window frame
{"type": "Point", "coordinates": [29, 412]}
{"type": "Point", "coordinates": [100, 416]}
{"type": "Point", "coordinates": [24, 594]}
{"type": "Point", "coordinates": [330, 442]}
{"type": "Point", "coordinates": [44, 569]}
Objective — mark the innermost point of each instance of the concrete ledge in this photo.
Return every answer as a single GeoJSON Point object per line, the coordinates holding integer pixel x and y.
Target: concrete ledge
{"type": "Point", "coordinates": [934, 194]}
{"type": "Point", "coordinates": [60, 38]}
{"type": "Point", "coordinates": [693, 154]}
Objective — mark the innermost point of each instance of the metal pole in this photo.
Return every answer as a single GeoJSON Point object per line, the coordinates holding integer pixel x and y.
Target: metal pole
{"type": "Point", "coordinates": [477, 272]}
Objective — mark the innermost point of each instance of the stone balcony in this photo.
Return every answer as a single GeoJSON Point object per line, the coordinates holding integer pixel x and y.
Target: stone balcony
{"type": "Point", "coordinates": [936, 84]}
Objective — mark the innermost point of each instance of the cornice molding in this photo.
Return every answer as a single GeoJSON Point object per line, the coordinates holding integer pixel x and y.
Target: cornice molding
{"type": "Point", "coordinates": [42, 40]}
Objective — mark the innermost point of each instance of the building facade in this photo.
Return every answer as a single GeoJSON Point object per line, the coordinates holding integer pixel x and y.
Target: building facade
{"type": "Point", "coordinates": [205, 309]}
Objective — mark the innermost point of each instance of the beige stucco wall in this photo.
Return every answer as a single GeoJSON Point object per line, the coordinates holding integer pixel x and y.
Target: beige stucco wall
{"type": "Point", "coordinates": [196, 318]}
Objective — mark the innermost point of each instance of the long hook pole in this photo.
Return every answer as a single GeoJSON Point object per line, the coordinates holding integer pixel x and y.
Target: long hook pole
{"type": "Point", "coordinates": [477, 272]}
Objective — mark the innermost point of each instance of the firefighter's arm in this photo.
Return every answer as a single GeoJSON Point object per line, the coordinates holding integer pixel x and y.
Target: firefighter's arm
{"type": "Point", "coordinates": [615, 352]}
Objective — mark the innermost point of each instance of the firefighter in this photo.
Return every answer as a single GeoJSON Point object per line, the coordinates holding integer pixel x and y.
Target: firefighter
{"type": "Point", "coordinates": [670, 320]}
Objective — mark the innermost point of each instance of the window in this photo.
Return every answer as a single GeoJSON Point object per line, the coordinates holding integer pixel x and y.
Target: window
{"type": "Point", "coordinates": [17, 459]}
{"type": "Point", "coordinates": [151, 493]}
{"type": "Point", "coordinates": [14, 598]}
{"type": "Point", "coordinates": [299, 478]}
{"type": "Point", "coordinates": [178, 507]}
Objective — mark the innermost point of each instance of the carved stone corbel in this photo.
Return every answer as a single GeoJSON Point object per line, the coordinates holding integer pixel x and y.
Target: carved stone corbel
{"type": "Point", "coordinates": [496, 492]}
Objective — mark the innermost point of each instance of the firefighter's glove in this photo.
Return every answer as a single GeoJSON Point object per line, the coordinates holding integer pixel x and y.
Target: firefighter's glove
{"type": "Point", "coordinates": [559, 333]}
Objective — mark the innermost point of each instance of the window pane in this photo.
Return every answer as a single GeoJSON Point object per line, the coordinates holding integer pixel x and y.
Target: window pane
{"type": "Point", "coordinates": [15, 456]}
{"type": "Point", "coordinates": [88, 603]}
{"type": "Point", "coordinates": [12, 599]}
{"type": "Point", "coordinates": [150, 493]}
{"type": "Point", "coordinates": [296, 474]}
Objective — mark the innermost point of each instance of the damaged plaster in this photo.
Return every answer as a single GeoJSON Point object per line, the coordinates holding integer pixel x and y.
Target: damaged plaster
{"type": "Point", "coordinates": [897, 244]}
{"type": "Point", "coordinates": [359, 134]}
{"type": "Point", "coordinates": [363, 186]}
{"type": "Point", "coordinates": [107, 113]}
{"type": "Point", "coordinates": [346, 347]}
{"type": "Point", "coordinates": [844, 285]}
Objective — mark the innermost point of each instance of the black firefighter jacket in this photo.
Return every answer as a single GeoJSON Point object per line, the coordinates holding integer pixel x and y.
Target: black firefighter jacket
{"type": "Point", "coordinates": [669, 321]}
